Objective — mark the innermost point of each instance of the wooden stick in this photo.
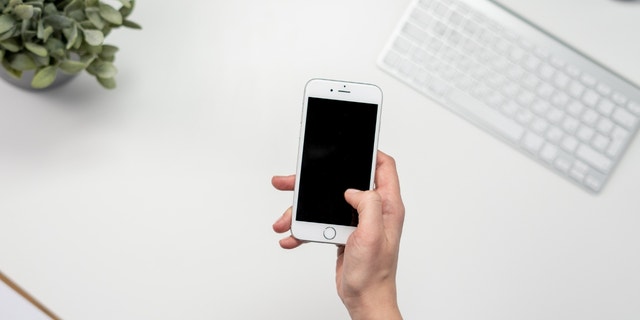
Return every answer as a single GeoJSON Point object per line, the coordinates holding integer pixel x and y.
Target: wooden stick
{"type": "Point", "coordinates": [29, 298]}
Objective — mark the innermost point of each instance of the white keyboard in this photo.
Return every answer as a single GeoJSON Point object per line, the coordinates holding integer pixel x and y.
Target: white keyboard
{"type": "Point", "coordinates": [519, 83]}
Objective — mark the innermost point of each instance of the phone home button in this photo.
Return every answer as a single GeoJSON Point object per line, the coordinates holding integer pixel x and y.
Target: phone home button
{"type": "Point", "coordinates": [329, 233]}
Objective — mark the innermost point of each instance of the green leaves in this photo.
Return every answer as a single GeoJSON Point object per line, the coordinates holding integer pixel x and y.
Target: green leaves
{"type": "Point", "coordinates": [93, 37]}
{"type": "Point", "coordinates": [24, 11]}
{"type": "Point", "coordinates": [66, 35]}
{"type": "Point", "coordinates": [36, 49]}
{"type": "Point", "coordinates": [102, 69]}
{"type": "Point", "coordinates": [23, 62]}
{"type": "Point", "coordinates": [110, 14]}
{"type": "Point", "coordinates": [44, 77]}
{"type": "Point", "coordinates": [71, 66]}
{"type": "Point", "coordinates": [6, 23]}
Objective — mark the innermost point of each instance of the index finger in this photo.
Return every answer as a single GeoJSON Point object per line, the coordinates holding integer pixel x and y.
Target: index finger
{"type": "Point", "coordinates": [284, 183]}
{"type": "Point", "coordinates": [386, 178]}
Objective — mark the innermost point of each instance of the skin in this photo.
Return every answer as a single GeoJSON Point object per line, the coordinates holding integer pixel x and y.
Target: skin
{"type": "Point", "coordinates": [366, 266]}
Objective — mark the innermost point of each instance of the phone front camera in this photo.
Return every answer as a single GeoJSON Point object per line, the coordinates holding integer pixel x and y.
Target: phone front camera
{"type": "Point", "coordinates": [331, 90]}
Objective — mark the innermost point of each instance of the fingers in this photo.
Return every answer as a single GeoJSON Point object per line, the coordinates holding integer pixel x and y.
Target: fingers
{"type": "Point", "coordinates": [283, 224]}
{"type": "Point", "coordinates": [290, 242]}
{"type": "Point", "coordinates": [386, 177]}
{"type": "Point", "coordinates": [284, 183]}
{"type": "Point", "coordinates": [369, 206]}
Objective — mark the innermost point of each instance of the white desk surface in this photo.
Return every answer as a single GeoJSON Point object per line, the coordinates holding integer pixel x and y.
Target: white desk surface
{"type": "Point", "coordinates": [153, 201]}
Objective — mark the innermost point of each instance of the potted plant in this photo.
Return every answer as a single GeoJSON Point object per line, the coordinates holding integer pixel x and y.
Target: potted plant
{"type": "Point", "coordinates": [43, 37]}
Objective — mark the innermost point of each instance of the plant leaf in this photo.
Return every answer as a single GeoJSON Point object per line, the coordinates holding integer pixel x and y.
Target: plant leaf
{"type": "Point", "coordinates": [41, 61]}
{"type": "Point", "coordinates": [10, 44]}
{"type": "Point", "coordinates": [94, 17]}
{"type": "Point", "coordinates": [71, 66]}
{"type": "Point", "coordinates": [13, 72]}
{"type": "Point", "coordinates": [24, 11]}
{"type": "Point", "coordinates": [7, 35]}
{"type": "Point", "coordinates": [131, 24]}
{"type": "Point", "coordinates": [57, 21]}
{"type": "Point", "coordinates": [93, 37]}
{"type": "Point", "coordinates": [126, 3]}
{"type": "Point", "coordinates": [73, 5]}
{"type": "Point", "coordinates": [102, 69]}
{"type": "Point", "coordinates": [71, 34]}
{"type": "Point", "coordinates": [48, 31]}
{"type": "Point", "coordinates": [108, 51]}
{"type": "Point", "coordinates": [6, 23]}
{"type": "Point", "coordinates": [36, 49]}
{"type": "Point", "coordinates": [110, 14]}
{"type": "Point", "coordinates": [44, 77]}
{"type": "Point", "coordinates": [107, 83]}
{"type": "Point", "coordinates": [23, 62]}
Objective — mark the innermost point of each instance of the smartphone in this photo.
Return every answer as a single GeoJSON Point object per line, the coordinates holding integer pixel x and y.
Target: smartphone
{"type": "Point", "coordinates": [337, 151]}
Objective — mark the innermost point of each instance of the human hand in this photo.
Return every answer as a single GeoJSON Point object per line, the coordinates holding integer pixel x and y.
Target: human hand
{"type": "Point", "coordinates": [367, 264]}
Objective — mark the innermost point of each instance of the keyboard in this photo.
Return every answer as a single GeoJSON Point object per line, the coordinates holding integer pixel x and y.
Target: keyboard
{"type": "Point", "coordinates": [519, 83]}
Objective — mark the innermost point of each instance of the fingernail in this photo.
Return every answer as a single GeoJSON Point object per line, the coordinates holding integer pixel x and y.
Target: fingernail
{"type": "Point", "coordinates": [352, 191]}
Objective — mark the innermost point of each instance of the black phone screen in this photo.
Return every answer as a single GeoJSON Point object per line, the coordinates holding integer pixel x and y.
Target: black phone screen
{"type": "Point", "coordinates": [337, 154]}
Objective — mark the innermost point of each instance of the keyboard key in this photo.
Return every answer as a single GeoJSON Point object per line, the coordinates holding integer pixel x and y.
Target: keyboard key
{"type": "Point", "coordinates": [600, 143]}
{"type": "Point", "coordinates": [575, 108]}
{"type": "Point", "coordinates": [539, 125]}
{"type": "Point", "coordinates": [634, 107]}
{"type": "Point", "coordinates": [561, 80]}
{"type": "Point", "coordinates": [588, 80]}
{"type": "Point", "coordinates": [549, 153]}
{"type": "Point", "coordinates": [593, 182]}
{"type": "Point", "coordinates": [546, 72]}
{"type": "Point", "coordinates": [569, 144]}
{"type": "Point", "coordinates": [532, 142]}
{"type": "Point", "coordinates": [594, 158]}
{"type": "Point", "coordinates": [573, 71]}
{"type": "Point", "coordinates": [576, 89]}
{"type": "Point", "coordinates": [570, 125]}
{"type": "Point", "coordinates": [560, 99]}
{"type": "Point", "coordinates": [604, 126]}
{"type": "Point", "coordinates": [555, 116]}
{"type": "Point", "coordinates": [619, 98]}
{"type": "Point", "coordinates": [615, 148]}
{"type": "Point", "coordinates": [563, 164]}
{"type": "Point", "coordinates": [545, 90]}
{"type": "Point", "coordinates": [488, 115]}
{"type": "Point", "coordinates": [590, 98]}
{"type": "Point", "coordinates": [625, 118]}
{"type": "Point", "coordinates": [540, 107]}
{"type": "Point", "coordinates": [402, 45]}
{"type": "Point", "coordinates": [554, 135]}
{"type": "Point", "coordinates": [590, 117]}
{"type": "Point", "coordinates": [579, 171]}
{"type": "Point", "coordinates": [605, 107]}
{"type": "Point", "coordinates": [524, 116]}
{"type": "Point", "coordinates": [619, 133]}
{"type": "Point", "coordinates": [531, 63]}
{"type": "Point", "coordinates": [603, 89]}
{"type": "Point", "coordinates": [585, 133]}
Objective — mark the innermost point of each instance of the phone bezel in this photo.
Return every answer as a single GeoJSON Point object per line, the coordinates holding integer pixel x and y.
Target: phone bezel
{"type": "Point", "coordinates": [334, 90]}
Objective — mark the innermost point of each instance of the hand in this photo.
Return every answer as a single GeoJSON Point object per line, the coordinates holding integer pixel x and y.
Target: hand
{"type": "Point", "coordinates": [366, 265]}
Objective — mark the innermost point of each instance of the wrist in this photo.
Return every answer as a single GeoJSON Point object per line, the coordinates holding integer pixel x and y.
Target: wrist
{"type": "Point", "coordinates": [379, 304]}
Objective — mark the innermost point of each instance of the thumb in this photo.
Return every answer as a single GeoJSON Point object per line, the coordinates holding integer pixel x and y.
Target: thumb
{"type": "Point", "coordinates": [369, 207]}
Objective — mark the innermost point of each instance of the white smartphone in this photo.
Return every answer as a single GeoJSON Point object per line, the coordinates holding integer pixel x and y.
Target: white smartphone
{"type": "Point", "coordinates": [337, 151]}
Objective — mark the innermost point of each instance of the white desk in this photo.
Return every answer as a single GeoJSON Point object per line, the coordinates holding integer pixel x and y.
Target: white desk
{"type": "Point", "coordinates": [153, 201]}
